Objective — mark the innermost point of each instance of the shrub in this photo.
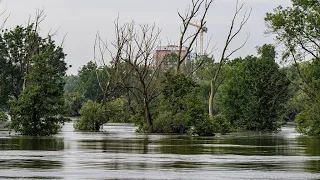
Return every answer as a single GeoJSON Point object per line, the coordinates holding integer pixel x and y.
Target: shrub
{"type": "Point", "coordinates": [167, 122]}
{"type": "Point", "coordinates": [93, 115]}
{"type": "Point", "coordinates": [221, 124]}
{"type": "Point", "coordinates": [204, 127]}
{"type": "Point", "coordinates": [181, 108]}
{"type": "Point", "coordinates": [116, 110]}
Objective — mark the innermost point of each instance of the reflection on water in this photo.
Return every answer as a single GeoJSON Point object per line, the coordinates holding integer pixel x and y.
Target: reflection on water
{"type": "Point", "coordinates": [120, 153]}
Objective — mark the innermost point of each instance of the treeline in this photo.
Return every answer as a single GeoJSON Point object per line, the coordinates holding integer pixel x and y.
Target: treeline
{"type": "Point", "coordinates": [200, 95]}
{"type": "Point", "coordinates": [253, 93]}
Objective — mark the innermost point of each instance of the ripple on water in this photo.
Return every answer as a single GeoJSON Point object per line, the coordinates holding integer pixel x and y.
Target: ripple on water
{"type": "Point", "coordinates": [121, 153]}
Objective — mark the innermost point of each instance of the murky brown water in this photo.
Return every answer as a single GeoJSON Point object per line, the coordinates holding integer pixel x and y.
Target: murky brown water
{"type": "Point", "coordinates": [120, 153]}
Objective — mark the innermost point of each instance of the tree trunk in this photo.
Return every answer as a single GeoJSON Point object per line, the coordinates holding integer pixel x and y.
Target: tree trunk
{"type": "Point", "coordinates": [96, 127]}
{"type": "Point", "coordinates": [211, 108]}
{"type": "Point", "coordinates": [178, 67]}
{"type": "Point", "coordinates": [147, 112]}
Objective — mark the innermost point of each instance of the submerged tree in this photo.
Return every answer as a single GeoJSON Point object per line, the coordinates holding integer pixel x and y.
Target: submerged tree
{"type": "Point", "coordinates": [38, 109]}
{"type": "Point", "coordinates": [255, 92]}
{"type": "Point", "coordinates": [233, 33]}
{"type": "Point", "coordinates": [297, 29]}
{"type": "Point", "coordinates": [35, 71]}
{"type": "Point", "coordinates": [144, 71]}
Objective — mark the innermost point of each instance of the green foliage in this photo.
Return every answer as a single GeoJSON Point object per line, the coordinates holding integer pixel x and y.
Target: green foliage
{"type": "Point", "coordinates": [73, 103]}
{"type": "Point", "coordinates": [297, 27]}
{"type": "Point", "coordinates": [94, 115]}
{"type": "Point", "coordinates": [3, 117]}
{"type": "Point", "coordinates": [37, 109]}
{"type": "Point", "coordinates": [88, 81]}
{"type": "Point", "coordinates": [308, 120]}
{"type": "Point", "coordinates": [254, 93]}
{"type": "Point", "coordinates": [15, 49]}
{"type": "Point", "coordinates": [36, 115]}
{"type": "Point", "coordinates": [72, 84]}
{"type": "Point", "coordinates": [204, 126]}
{"type": "Point", "coordinates": [181, 108]}
{"type": "Point", "coordinates": [221, 124]}
{"type": "Point", "coordinates": [138, 119]}
{"type": "Point", "coordinates": [169, 61]}
{"type": "Point", "coordinates": [166, 122]}
{"type": "Point", "coordinates": [117, 110]}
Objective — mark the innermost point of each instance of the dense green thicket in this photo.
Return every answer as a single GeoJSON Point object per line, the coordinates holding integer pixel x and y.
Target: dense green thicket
{"type": "Point", "coordinates": [168, 96]}
{"type": "Point", "coordinates": [181, 107]}
{"type": "Point", "coordinates": [308, 102]}
{"type": "Point", "coordinates": [297, 29]}
{"type": "Point", "coordinates": [34, 73]}
{"type": "Point", "coordinates": [3, 117]}
{"type": "Point", "coordinates": [255, 91]}
{"type": "Point", "coordinates": [94, 115]}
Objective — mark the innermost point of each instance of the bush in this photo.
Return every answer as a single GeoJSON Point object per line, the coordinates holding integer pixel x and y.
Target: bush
{"type": "Point", "coordinates": [93, 115]}
{"type": "Point", "coordinates": [166, 122]}
{"type": "Point", "coordinates": [181, 108]}
{"type": "Point", "coordinates": [221, 124]}
{"type": "Point", "coordinates": [116, 110]}
{"type": "Point", "coordinates": [203, 127]}
{"type": "Point", "coordinates": [139, 121]}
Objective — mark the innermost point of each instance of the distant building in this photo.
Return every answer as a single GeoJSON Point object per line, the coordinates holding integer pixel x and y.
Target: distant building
{"type": "Point", "coordinates": [162, 51]}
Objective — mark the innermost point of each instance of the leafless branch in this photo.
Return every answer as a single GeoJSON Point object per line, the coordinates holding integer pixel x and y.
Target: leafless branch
{"type": "Point", "coordinates": [224, 56]}
{"type": "Point", "coordinates": [191, 13]}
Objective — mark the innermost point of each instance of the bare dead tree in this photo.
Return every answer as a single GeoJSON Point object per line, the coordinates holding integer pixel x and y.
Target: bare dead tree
{"type": "Point", "coordinates": [187, 19]}
{"type": "Point", "coordinates": [102, 52]}
{"type": "Point", "coordinates": [233, 33]}
{"type": "Point", "coordinates": [138, 55]}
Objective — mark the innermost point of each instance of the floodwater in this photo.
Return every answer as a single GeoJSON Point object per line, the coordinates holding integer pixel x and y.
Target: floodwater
{"type": "Point", "coordinates": [121, 153]}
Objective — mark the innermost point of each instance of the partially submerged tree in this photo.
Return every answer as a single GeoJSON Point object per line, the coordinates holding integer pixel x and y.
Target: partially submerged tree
{"type": "Point", "coordinates": [233, 33]}
{"type": "Point", "coordinates": [255, 92]}
{"type": "Point", "coordinates": [34, 72]}
{"type": "Point", "coordinates": [39, 108]}
{"type": "Point", "coordinates": [138, 55]}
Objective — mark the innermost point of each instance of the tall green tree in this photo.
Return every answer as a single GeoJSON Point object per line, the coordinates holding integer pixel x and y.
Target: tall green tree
{"type": "Point", "coordinates": [38, 106]}
{"type": "Point", "coordinates": [16, 48]}
{"type": "Point", "coordinates": [297, 29]}
{"type": "Point", "coordinates": [89, 83]}
{"type": "Point", "coordinates": [308, 119]}
{"type": "Point", "coordinates": [254, 94]}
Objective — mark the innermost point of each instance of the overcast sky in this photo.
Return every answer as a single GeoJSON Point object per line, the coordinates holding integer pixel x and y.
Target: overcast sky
{"type": "Point", "coordinates": [81, 19]}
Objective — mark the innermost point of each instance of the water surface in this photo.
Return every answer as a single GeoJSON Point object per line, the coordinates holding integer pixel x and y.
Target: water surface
{"type": "Point", "coordinates": [121, 153]}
